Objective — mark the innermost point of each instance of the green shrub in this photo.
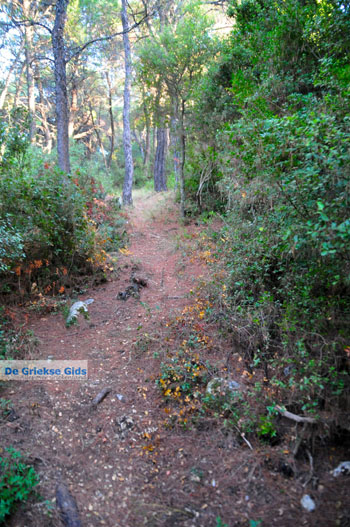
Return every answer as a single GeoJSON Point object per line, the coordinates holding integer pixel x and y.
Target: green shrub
{"type": "Point", "coordinates": [11, 244]}
{"type": "Point", "coordinates": [17, 481]}
{"type": "Point", "coordinates": [286, 244]}
{"type": "Point", "coordinates": [42, 212]}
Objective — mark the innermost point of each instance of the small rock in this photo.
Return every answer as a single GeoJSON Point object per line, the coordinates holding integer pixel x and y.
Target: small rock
{"type": "Point", "coordinates": [12, 416]}
{"type": "Point", "coordinates": [67, 507]}
{"type": "Point", "coordinates": [123, 426]}
{"type": "Point", "coordinates": [139, 279]}
{"type": "Point", "coordinates": [120, 396]}
{"type": "Point", "coordinates": [343, 468]}
{"type": "Point", "coordinates": [308, 503]}
{"type": "Point", "coordinates": [219, 385]}
{"type": "Point", "coordinates": [78, 307]}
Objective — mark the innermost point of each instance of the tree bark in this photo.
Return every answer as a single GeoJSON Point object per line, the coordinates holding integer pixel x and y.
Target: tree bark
{"type": "Point", "coordinates": [62, 118]}
{"type": "Point", "coordinates": [129, 166]}
{"type": "Point", "coordinates": [146, 159]}
{"type": "Point", "coordinates": [111, 118]}
{"type": "Point", "coordinates": [73, 109]}
{"type": "Point", "coordinates": [159, 163]}
{"type": "Point", "coordinates": [28, 36]}
{"type": "Point", "coordinates": [174, 141]}
{"type": "Point", "coordinates": [43, 108]}
{"type": "Point", "coordinates": [182, 161]}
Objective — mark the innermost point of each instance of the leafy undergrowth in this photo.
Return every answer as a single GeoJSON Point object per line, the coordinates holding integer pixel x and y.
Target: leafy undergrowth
{"type": "Point", "coordinates": [17, 481]}
{"type": "Point", "coordinates": [290, 363]}
{"type": "Point", "coordinates": [216, 365]}
{"type": "Point", "coordinates": [55, 229]}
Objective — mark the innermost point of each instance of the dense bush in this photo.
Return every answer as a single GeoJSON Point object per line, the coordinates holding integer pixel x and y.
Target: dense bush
{"type": "Point", "coordinates": [283, 159]}
{"type": "Point", "coordinates": [286, 247]}
{"type": "Point", "coordinates": [51, 224]}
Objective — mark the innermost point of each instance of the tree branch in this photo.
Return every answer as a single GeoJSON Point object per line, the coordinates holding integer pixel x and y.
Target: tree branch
{"type": "Point", "coordinates": [109, 37]}
{"type": "Point", "coordinates": [19, 23]}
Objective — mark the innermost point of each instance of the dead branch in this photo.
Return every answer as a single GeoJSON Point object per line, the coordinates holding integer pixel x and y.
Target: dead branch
{"type": "Point", "coordinates": [100, 396]}
{"type": "Point", "coordinates": [294, 417]}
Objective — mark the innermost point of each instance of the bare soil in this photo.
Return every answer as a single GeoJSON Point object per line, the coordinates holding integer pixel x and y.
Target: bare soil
{"type": "Point", "coordinates": [122, 462]}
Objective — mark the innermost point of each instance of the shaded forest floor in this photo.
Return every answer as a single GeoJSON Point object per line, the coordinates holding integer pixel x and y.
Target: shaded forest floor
{"type": "Point", "coordinates": [126, 462]}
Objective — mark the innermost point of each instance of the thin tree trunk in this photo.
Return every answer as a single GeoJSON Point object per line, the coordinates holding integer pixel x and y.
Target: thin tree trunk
{"type": "Point", "coordinates": [182, 161]}
{"type": "Point", "coordinates": [129, 166]}
{"type": "Point", "coordinates": [139, 144]}
{"type": "Point", "coordinates": [99, 140]}
{"type": "Point", "coordinates": [174, 141]}
{"type": "Point", "coordinates": [147, 146]}
{"type": "Point", "coordinates": [8, 78]}
{"type": "Point", "coordinates": [159, 163]}
{"type": "Point", "coordinates": [146, 159]}
{"type": "Point", "coordinates": [73, 110]}
{"type": "Point", "coordinates": [19, 86]}
{"type": "Point", "coordinates": [61, 85]}
{"type": "Point", "coordinates": [28, 35]}
{"type": "Point", "coordinates": [43, 107]}
{"type": "Point", "coordinates": [111, 118]}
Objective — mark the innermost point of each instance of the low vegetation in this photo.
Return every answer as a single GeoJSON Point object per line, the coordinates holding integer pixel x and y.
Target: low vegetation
{"type": "Point", "coordinates": [17, 481]}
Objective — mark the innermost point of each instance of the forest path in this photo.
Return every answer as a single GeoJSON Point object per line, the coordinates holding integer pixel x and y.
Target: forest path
{"type": "Point", "coordinates": [107, 456]}
{"type": "Point", "coordinates": [124, 462]}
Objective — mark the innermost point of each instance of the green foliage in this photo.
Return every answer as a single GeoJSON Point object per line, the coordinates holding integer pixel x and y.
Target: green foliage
{"type": "Point", "coordinates": [266, 429]}
{"type": "Point", "coordinates": [280, 89]}
{"type": "Point", "coordinates": [180, 375]}
{"type": "Point", "coordinates": [41, 213]}
{"type": "Point", "coordinates": [11, 244]}
{"type": "Point", "coordinates": [51, 224]}
{"type": "Point", "coordinates": [220, 523]}
{"type": "Point", "coordinates": [17, 481]}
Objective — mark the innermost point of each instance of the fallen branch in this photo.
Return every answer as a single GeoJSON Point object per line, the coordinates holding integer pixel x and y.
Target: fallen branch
{"type": "Point", "coordinates": [100, 396]}
{"type": "Point", "coordinates": [311, 473]}
{"type": "Point", "coordinates": [294, 417]}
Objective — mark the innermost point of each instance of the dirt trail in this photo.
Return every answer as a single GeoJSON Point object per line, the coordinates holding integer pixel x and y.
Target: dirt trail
{"type": "Point", "coordinates": [124, 467]}
{"type": "Point", "coordinates": [95, 452]}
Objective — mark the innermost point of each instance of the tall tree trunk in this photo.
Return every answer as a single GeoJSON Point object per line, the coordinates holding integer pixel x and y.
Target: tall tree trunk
{"type": "Point", "coordinates": [98, 135]}
{"type": "Point", "coordinates": [8, 78]}
{"type": "Point", "coordinates": [174, 142]}
{"type": "Point", "coordinates": [159, 162]}
{"type": "Point", "coordinates": [129, 166]}
{"type": "Point", "coordinates": [111, 118]}
{"type": "Point", "coordinates": [19, 85]}
{"type": "Point", "coordinates": [146, 159]}
{"type": "Point", "coordinates": [28, 36]}
{"type": "Point", "coordinates": [139, 144]}
{"type": "Point", "coordinates": [182, 160]}
{"type": "Point", "coordinates": [43, 107]}
{"type": "Point", "coordinates": [73, 110]}
{"type": "Point", "coordinates": [61, 85]}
